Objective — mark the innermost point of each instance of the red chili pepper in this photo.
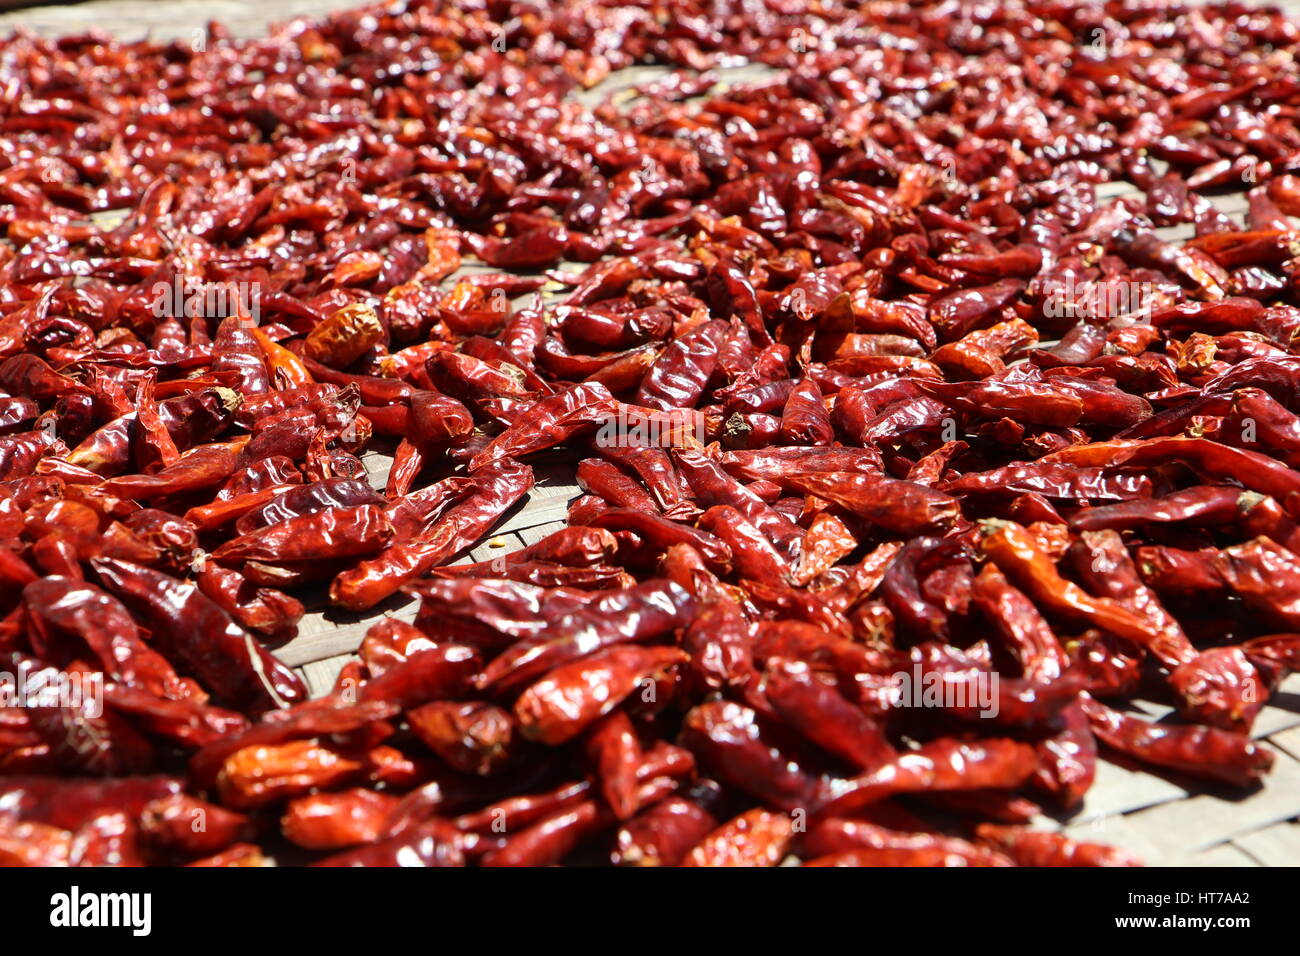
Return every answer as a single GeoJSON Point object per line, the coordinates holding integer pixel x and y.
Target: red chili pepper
{"type": "Point", "coordinates": [1103, 564]}
{"type": "Point", "coordinates": [59, 607]}
{"type": "Point", "coordinates": [615, 754]}
{"type": "Point", "coordinates": [432, 843]}
{"type": "Point", "coordinates": [197, 631]}
{"type": "Point", "coordinates": [1222, 755]}
{"type": "Point", "coordinates": [496, 487]}
{"type": "Point", "coordinates": [637, 614]}
{"type": "Point", "coordinates": [756, 838]}
{"type": "Point", "coordinates": [1044, 848]}
{"type": "Point", "coordinates": [841, 842]}
{"type": "Point", "coordinates": [815, 709]}
{"type": "Point", "coordinates": [329, 533]}
{"type": "Point", "coordinates": [729, 741]}
{"type": "Point", "coordinates": [662, 834]}
{"type": "Point", "coordinates": [190, 827]}
{"type": "Point", "coordinates": [994, 763]}
{"type": "Point", "coordinates": [566, 701]}
{"type": "Point", "coordinates": [334, 821]}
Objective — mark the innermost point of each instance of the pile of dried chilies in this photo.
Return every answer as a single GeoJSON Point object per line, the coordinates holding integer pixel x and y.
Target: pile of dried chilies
{"type": "Point", "coordinates": [847, 280]}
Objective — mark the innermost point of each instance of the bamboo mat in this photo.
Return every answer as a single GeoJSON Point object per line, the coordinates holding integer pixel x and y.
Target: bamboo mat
{"type": "Point", "coordinates": [1166, 820]}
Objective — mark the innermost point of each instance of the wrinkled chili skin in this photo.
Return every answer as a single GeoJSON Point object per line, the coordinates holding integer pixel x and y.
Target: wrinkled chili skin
{"type": "Point", "coordinates": [1226, 756]}
{"type": "Point", "coordinates": [862, 371]}
{"type": "Point", "coordinates": [835, 836]}
{"type": "Point", "coordinates": [1036, 848]}
{"type": "Point", "coordinates": [204, 636]}
{"type": "Point", "coordinates": [663, 834]}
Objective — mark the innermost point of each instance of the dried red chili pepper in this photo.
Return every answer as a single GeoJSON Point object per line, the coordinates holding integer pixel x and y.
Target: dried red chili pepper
{"type": "Point", "coordinates": [899, 506]}
{"type": "Point", "coordinates": [729, 741]}
{"type": "Point", "coordinates": [1018, 556]}
{"type": "Point", "coordinates": [191, 827]}
{"type": "Point", "coordinates": [1102, 563]}
{"type": "Point", "coordinates": [615, 753]}
{"type": "Point", "coordinates": [756, 838]}
{"type": "Point", "coordinates": [59, 606]}
{"type": "Point", "coordinates": [663, 834]}
{"type": "Point", "coordinates": [195, 630]}
{"type": "Point", "coordinates": [571, 696]}
{"type": "Point", "coordinates": [496, 487]}
{"type": "Point", "coordinates": [995, 763]}
{"type": "Point", "coordinates": [637, 614]}
{"type": "Point", "coordinates": [1222, 755]}
{"type": "Point", "coordinates": [1039, 848]}
{"type": "Point", "coordinates": [334, 821]}
{"type": "Point", "coordinates": [816, 710]}
{"type": "Point", "coordinates": [841, 842]}
{"type": "Point", "coordinates": [329, 533]}
{"type": "Point", "coordinates": [432, 843]}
